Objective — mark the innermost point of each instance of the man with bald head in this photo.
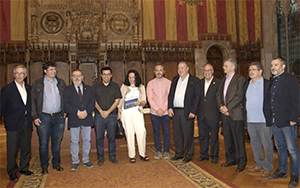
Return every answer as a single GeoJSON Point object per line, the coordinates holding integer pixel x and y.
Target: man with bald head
{"type": "Point", "coordinates": [208, 116]}
{"type": "Point", "coordinates": [182, 106]}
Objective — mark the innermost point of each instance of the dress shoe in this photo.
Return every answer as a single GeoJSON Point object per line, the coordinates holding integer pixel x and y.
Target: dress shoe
{"type": "Point", "coordinates": [100, 162]}
{"type": "Point", "coordinates": [58, 168]}
{"type": "Point", "coordinates": [201, 158]}
{"type": "Point", "coordinates": [294, 181]}
{"type": "Point", "coordinates": [113, 160]}
{"type": "Point", "coordinates": [255, 169]}
{"type": "Point", "coordinates": [240, 168]}
{"type": "Point", "coordinates": [228, 164]}
{"type": "Point", "coordinates": [214, 160]}
{"type": "Point", "coordinates": [45, 170]}
{"type": "Point", "coordinates": [278, 175]}
{"type": "Point", "coordinates": [175, 158]}
{"type": "Point", "coordinates": [265, 174]}
{"type": "Point", "coordinates": [26, 173]}
{"type": "Point", "coordinates": [186, 160]}
{"type": "Point", "coordinates": [13, 177]}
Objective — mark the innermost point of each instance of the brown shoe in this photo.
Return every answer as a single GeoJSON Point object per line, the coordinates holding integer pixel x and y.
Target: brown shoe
{"type": "Point", "coordinates": [255, 169]}
{"type": "Point", "coordinates": [265, 174]}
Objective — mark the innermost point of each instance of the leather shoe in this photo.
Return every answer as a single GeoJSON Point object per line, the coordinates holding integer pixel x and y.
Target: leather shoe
{"type": "Point", "coordinates": [228, 164]}
{"type": "Point", "coordinates": [100, 162]}
{"type": "Point", "coordinates": [58, 168]}
{"type": "Point", "coordinates": [45, 170]}
{"type": "Point", "coordinates": [13, 177]}
{"type": "Point", "coordinates": [255, 169]}
{"type": "Point", "coordinates": [186, 160]}
{"type": "Point", "coordinates": [294, 181]}
{"type": "Point", "coordinates": [201, 158]}
{"type": "Point", "coordinates": [214, 160]}
{"type": "Point", "coordinates": [26, 173]}
{"type": "Point", "coordinates": [113, 160]}
{"type": "Point", "coordinates": [265, 174]}
{"type": "Point", "coordinates": [240, 168]}
{"type": "Point", "coordinates": [175, 158]}
{"type": "Point", "coordinates": [278, 175]}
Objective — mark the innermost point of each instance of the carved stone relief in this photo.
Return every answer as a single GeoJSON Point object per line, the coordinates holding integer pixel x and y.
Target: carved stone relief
{"type": "Point", "coordinates": [119, 23]}
{"type": "Point", "coordinates": [52, 22]}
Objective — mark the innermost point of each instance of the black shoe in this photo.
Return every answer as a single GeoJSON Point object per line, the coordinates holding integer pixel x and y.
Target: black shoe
{"type": "Point", "coordinates": [146, 158]}
{"type": "Point", "coordinates": [228, 164]}
{"type": "Point", "coordinates": [100, 162]}
{"type": "Point", "coordinates": [45, 170]}
{"type": "Point", "coordinates": [175, 158]}
{"type": "Point", "coordinates": [214, 160]}
{"type": "Point", "coordinates": [201, 158]}
{"type": "Point", "coordinates": [26, 173]}
{"type": "Point", "coordinates": [113, 160]}
{"type": "Point", "coordinates": [294, 181]}
{"type": "Point", "coordinates": [13, 177]}
{"type": "Point", "coordinates": [240, 168]}
{"type": "Point", "coordinates": [58, 168]}
{"type": "Point", "coordinates": [278, 175]}
{"type": "Point", "coordinates": [186, 160]}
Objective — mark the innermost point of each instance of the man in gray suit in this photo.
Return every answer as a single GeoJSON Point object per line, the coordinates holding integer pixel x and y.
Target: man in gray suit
{"type": "Point", "coordinates": [230, 96]}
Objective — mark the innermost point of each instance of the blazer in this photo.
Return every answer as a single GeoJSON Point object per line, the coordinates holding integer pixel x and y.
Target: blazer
{"type": "Point", "coordinates": [266, 88]}
{"type": "Point", "coordinates": [286, 102]}
{"type": "Point", "coordinates": [72, 104]}
{"type": "Point", "coordinates": [13, 109]}
{"type": "Point", "coordinates": [234, 97]}
{"type": "Point", "coordinates": [208, 108]}
{"type": "Point", "coordinates": [125, 89]}
{"type": "Point", "coordinates": [191, 98]}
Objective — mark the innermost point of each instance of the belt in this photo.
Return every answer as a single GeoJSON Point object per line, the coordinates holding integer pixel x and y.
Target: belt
{"type": "Point", "coordinates": [52, 114]}
{"type": "Point", "coordinates": [178, 108]}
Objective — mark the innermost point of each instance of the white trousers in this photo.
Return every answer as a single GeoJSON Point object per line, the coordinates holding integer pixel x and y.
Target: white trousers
{"type": "Point", "coordinates": [133, 123]}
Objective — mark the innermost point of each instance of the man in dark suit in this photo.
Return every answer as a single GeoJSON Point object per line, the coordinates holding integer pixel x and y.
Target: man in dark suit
{"type": "Point", "coordinates": [208, 116]}
{"type": "Point", "coordinates": [282, 114]}
{"type": "Point", "coordinates": [16, 110]}
{"type": "Point", "coordinates": [79, 105]}
{"type": "Point", "coordinates": [182, 106]}
{"type": "Point", "coordinates": [230, 97]}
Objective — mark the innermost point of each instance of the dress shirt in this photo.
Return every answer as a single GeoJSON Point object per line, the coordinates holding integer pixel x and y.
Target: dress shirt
{"type": "Point", "coordinates": [157, 92]}
{"type": "Point", "coordinates": [254, 102]}
{"type": "Point", "coordinates": [22, 91]}
{"type": "Point", "coordinates": [206, 85]}
{"type": "Point", "coordinates": [273, 89]}
{"type": "Point", "coordinates": [81, 88]}
{"type": "Point", "coordinates": [51, 100]}
{"type": "Point", "coordinates": [180, 92]}
{"type": "Point", "coordinates": [227, 82]}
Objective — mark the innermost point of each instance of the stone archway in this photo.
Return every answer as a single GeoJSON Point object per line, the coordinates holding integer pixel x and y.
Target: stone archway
{"type": "Point", "coordinates": [214, 56]}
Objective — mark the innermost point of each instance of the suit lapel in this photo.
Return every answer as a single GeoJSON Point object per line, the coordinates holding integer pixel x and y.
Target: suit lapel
{"type": "Point", "coordinates": [212, 84]}
{"type": "Point", "coordinates": [75, 90]}
{"type": "Point", "coordinates": [19, 94]}
{"type": "Point", "coordinates": [231, 84]}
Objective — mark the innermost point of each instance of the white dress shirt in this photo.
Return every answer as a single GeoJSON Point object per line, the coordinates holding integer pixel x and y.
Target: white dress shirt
{"type": "Point", "coordinates": [22, 91]}
{"type": "Point", "coordinates": [180, 92]}
{"type": "Point", "coordinates": [206, 85]}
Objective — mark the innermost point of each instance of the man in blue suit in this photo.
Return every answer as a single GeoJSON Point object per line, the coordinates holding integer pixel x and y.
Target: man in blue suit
{"type": "Point", "coordinates": [79, 105]}
{"type": "Point", "coordinates": [16, 110]}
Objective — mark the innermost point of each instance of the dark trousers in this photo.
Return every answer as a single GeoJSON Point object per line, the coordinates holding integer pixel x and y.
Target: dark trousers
{"type": "Point", "coordinates": [109, 124]}
{"type": "Point", "coordinates": [183, 134]}
{"type": "Point", "coordinates": [204, 128]}
{"type": "Point", "coordinates": [164, 121]}
{"type": "Point", "coordinates": [234, 141]}
{"type": "Point", "coordinates": [15, 140]}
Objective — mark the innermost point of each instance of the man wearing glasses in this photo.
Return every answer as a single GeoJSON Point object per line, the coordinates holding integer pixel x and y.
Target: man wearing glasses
{"type": "Point", "coordinates": [107, 95]}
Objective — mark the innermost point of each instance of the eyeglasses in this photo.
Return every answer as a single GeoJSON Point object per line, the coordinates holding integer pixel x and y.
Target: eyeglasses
{"type": "Point", "coordinates": [76, 75]}
{"type": "Point", "coordinates": [206, 70]}
{"type": "Point", "coordinates": [19, 73]}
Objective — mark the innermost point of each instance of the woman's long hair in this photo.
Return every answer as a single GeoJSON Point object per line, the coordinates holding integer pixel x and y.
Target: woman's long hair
{"type": "Point", "coordinates": [138, 80]}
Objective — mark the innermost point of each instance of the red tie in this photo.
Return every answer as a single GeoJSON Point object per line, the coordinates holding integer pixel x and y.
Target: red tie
{"type": "Point", "coordinates": [79, 93]}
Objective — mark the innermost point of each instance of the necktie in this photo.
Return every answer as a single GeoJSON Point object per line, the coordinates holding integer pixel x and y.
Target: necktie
{"type": "Point", "coordinates": [79, 93]}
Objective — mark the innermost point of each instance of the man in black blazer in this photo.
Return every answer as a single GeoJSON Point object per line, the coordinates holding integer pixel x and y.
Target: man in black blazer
{"type": "Point", "coordinates": [230, 97]}
{"type": "Point", "coordinates": [282, 111]}
{"type": "Point", "coordinates": [208, 116]}
{"type": "Point", "coordinates": [182, 106]}
{"type": "Point", "coordinates": [16, 110]}
{"type": "Point", "coordinates": [79, 104]}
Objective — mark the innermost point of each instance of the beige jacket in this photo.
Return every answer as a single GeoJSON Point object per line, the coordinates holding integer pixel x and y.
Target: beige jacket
{"type": "Point", "coordinates": [142, 97]}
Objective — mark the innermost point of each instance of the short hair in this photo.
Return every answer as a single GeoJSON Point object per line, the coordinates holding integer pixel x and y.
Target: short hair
{"type": "Point", "coordinates": [138, 80]}
{"type": "Point", "coordinates": [232, 61]}
{"type": "Point", "coordinates": [210, 65]}
{"type": "Point", "coordinates": [48, 64]}
{"type": "Point", "coordinates": [184, 63]}
{"type": "Point", "coordinates": [281, 60]}
{"type": "Point", "coordinates": [105, 68]}
{"type": "Point", "coordinates": [258, 65]}
{"type": "Point", "coordinates": [20, 66]}
{"type": "Point", "coordinates": [76, 70]}
{"type": "Point", "coordinates": [158, 64]}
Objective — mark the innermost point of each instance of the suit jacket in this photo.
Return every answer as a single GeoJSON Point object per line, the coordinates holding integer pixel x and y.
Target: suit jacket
{"type": "Point", "coordinates": [266, 88]}
{"type": "Point", "coordinates": [234, 97]}
{"type": "Point", "coordinates": [286, 102]}
{"type": "Point", "coordinates": [13, 108]}
{"type": "Point", "coordinates": [72, 104]}
{"type": "Point", "coordinates": [191, 98]}
{"type": "Point", "coordinates": [208, 107]}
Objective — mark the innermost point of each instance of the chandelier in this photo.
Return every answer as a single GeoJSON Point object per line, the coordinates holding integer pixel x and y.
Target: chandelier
{"type": "Point", "coordinates": [191, 2]}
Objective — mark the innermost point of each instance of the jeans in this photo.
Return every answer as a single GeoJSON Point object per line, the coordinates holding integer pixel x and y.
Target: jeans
{"type": "Point", "coordinates": [165, 122]}
{"type": "Point", "coordinates": [54, 126]}
{"type": "Point", "coordinates": [261, 137]}
{"type": "Point", "coordinates": [109, 124]}
{"type": "Point", "coordinates": [286, 141]}
{"type": "Point", "coordinates": [86, 143]}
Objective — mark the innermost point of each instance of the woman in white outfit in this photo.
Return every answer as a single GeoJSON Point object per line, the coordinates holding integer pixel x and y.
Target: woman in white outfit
{"type": "Point", "coordinates": [131, 114]}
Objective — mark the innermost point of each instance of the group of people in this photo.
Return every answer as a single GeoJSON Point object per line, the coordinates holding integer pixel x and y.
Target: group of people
{"type": "Point", "coordinates": [265, 107]}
